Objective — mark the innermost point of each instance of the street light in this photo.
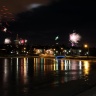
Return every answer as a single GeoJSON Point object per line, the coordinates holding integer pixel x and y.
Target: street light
{"type": "Point", "coordinates": [86, 46]}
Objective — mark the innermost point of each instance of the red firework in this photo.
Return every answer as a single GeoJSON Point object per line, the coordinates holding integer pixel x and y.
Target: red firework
{"type": "Point", "coordinates": [5, 16]}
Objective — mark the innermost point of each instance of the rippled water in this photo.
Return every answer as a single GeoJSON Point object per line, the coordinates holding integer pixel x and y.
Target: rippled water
{"type": "Point", "coordinates": [24, 75]}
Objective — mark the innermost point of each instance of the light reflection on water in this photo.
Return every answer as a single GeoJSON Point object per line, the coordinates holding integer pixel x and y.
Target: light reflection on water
{"type": "Point", "coordinates": [26, 73]}
{"type": "Point", "coordinates": [71, 69]}
{"type": "Point", "coordinates": [86, 67]}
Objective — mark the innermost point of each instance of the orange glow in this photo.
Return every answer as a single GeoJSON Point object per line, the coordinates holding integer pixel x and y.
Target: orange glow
{"type": "Point", "coordinates": [86, 67]}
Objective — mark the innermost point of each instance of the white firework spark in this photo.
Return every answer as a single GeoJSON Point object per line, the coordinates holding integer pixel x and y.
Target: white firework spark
{"type": "Point", "coordinates": [5, 29]}
{"type": "Point", "coordinates": [74, 38]}
{"type": "Point", "coordinates": [7, 41]}
{"type": "Point", "coordinates": [57, 37]}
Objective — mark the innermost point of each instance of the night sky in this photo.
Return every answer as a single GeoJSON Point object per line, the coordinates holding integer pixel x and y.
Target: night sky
{"type": "Point", "coordinates": [16, 6]}
{"type": "Point", "coordinates": [42, 24]}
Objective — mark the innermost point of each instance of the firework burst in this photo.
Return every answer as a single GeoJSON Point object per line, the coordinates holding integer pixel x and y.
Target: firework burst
{"type": "Point", "coordinates": [74, 38]}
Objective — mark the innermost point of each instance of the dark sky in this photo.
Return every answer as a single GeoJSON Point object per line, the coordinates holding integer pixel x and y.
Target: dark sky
{"type": "Point", "coordinates": [41, 25]}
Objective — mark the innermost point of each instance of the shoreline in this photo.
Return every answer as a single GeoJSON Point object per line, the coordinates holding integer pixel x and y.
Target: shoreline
{"type": "Point", "coordinates": [67, 57]}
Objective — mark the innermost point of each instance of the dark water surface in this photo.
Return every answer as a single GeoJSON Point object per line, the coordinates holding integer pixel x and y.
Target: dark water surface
{"type": "Point", "coordinates": [29, 76]}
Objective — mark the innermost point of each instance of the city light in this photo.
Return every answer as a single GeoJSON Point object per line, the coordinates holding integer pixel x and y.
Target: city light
{"type": "Point", "coordinates": [86, 46]}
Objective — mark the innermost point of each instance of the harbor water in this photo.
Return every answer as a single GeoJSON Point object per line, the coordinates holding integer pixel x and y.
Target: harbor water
{"type": "Point", "coordinates": [45, 76]}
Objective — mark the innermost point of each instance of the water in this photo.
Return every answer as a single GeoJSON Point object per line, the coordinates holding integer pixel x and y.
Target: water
{"type": "Point", "coordinates": [25, 76]}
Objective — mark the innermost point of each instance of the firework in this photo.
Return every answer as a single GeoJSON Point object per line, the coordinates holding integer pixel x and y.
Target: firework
{"type": "Point", "coordinates": [5, 17]}
{"type": "Point", "coordinates": [5, 29]}
{"type": "Point", "coordinates": [74, 38]}
{"type": "Point", "coordinates": [57, 37]}
{"type": "Point", "coordinates": [7, 41]}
